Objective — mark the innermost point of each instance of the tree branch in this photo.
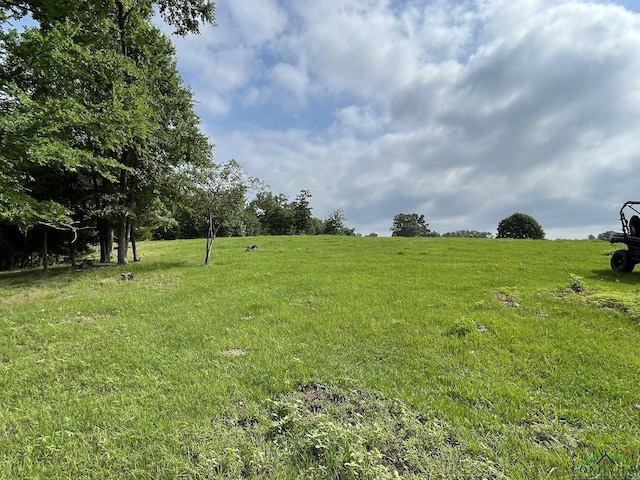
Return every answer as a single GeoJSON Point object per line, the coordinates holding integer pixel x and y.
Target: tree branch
{"type": "Point", "coordinates": [66, 227]}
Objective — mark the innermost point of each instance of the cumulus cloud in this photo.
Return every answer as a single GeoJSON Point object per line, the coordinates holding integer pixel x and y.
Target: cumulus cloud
{"type": "Point", "coordinates": [258, 21]}
{"type": "Point", "coordinates": [463, 111]}
{"type": "Point", "coordinates": [291, 78]}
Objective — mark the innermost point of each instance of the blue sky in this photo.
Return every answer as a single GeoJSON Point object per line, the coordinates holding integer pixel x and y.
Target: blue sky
{"type": "Point", "coordinates": [464, 111]}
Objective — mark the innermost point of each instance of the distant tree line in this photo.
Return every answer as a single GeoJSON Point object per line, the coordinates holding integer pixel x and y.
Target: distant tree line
{"type": "Point", "coordinates": [468, 234]}
{"type": "Point", "coordinates": [266, 214]}
{"type": "Point", "coordinates": [518, 225]}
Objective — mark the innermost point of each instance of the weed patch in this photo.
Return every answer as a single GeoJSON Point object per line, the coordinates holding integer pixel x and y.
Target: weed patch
{"type": "Point", "coordinates": [554, 435]}
{"type": "Point", "coordinates": [462, 328]}
{"type": "Point", "coordinates": [625, 304]}
{"type": "Point", "coordinates": [321, 431]}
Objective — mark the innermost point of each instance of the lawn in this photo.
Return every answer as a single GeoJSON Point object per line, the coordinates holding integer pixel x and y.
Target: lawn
{"type": "Point", "coordinates": [325, 357]}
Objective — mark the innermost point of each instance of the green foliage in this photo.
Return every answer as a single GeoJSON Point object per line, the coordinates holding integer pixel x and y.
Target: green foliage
{"type": "Point", "coordinates": [92, 99]}
{"type": "Point", "coordinates": [576, 283]}
{"type": "Point", "coordinates": [520, 225]}
{"type": "Point", "coordinates": [279, 217]}
{"type": "Point", "coordinates": [468, 234]}
{"type": "Point", "coordinates": [273, 213]}
{"type": "Point", "coordinates": [410, 225]}
{"type": "Point", "coordinates": [335, 224]}
{"type": "Point", "coordinates": [219, 197]}
{"type": "Point", "coordinates": [302, 222]}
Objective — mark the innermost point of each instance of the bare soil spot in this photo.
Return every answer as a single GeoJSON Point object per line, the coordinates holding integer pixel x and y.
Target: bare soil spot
{"type": "Point", "coordinates": [507, 300]}
{"type": "Point", "coordinates": [235, 352]}
{"type": "Point", "coordinates": [553, 435]}
{"type": "Point", "coordinates": [82, 318]}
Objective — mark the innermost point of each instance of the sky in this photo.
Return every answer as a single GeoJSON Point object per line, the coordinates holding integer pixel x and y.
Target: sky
{"type": "Point", "coordinates": [462, 111]}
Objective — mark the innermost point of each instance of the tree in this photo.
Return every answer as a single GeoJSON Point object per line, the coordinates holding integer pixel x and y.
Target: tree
{"type": "Point", "coordinates": [520, 225]}
{"type": "Point", "coordinates": [410, 225]}
{"type": "Point", "coordinates": [335, 224]}
{"type": "Point", "coordinates": [274, 213]}
{"type": "Point", "coordinates": [302, 213]}
{"type": "Point", "coordinates": [220, 198]}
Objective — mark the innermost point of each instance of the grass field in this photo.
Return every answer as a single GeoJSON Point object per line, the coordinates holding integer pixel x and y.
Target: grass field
{"type": "Point", "coordinates": [324, 357]}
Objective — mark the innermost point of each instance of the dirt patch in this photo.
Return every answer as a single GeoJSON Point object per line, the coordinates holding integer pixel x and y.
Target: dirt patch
{"type": "Point", "coordinates": [82, 318]}
{"type": "Point", "coordinates": [507, 300]}
{"type": "Point", "coordinates": [318, 397]}
{"type": "Point", "coordinates": [235, 352]}
{"type": "Point", "coordinates": [552, 435]}
{"type": "Point", "coordinates": [482, 328]}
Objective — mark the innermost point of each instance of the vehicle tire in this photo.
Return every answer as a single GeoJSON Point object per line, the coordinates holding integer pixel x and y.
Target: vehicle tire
{"type": "Point", "coordinates": [621, 261]}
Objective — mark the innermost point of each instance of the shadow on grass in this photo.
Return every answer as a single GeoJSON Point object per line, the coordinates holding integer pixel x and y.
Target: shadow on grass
{"type": "Point", "coordinates": [609, 275]}
{"type": "Point", "coordinates": [142, 267]}
{"type": "Point", "coordinates": [36, 277]}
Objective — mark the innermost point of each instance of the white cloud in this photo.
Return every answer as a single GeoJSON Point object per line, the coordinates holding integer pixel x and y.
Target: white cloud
{"type": "Point", "coordinates": [258, 21]}
{"type": "Point", "coordinates": [464, 111]}
{"type": "Point", "coordinates": [359, 119]}
{"type": "Point", "coordinates": [291, 78]}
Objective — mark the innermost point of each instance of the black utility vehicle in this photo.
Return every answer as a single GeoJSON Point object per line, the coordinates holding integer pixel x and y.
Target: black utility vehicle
{"type": "Point", "coordinates": [625, 260]}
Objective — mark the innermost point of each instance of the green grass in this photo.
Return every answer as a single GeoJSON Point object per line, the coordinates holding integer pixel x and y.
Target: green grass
{"type": "Point", "coordinates": [323, 357]}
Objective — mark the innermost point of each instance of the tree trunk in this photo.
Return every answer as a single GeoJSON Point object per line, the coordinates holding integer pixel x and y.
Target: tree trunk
{"type": "Point", "coordinates": [211, 237]}
{"type": "Point", "coordinates": [72, 255]}
{"type": "Point", "coordinates": [105, 237]}
{"type": "Point", "coordinates": [123, 243]}
{"type": "Point", "coordinates": [134, 250]}
{"type": "Point", "coordinates": [109, 247]}
{"type": "Point", "coordinates": [45, 250]}
{"type": "Point", "coordinates": [102, 240]}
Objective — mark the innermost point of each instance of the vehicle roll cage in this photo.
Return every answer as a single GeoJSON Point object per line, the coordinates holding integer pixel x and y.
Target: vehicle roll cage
{"type": "Point", "coordinates": [628, 224]}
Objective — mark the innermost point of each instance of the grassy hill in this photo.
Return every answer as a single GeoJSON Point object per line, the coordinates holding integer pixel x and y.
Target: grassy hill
{"type": "Point", "coordinates": [324, 357]}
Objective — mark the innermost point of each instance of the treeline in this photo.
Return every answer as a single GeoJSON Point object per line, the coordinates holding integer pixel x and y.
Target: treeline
{"type": "Point", "coordinates": [266, 214]}
{"type": "Point", "coordinates": [415, 225]}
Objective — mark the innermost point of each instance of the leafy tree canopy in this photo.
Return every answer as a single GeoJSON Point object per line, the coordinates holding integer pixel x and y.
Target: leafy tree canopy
{"type": "Point", "coordinates": [91, 95]}
{"type": "Point", "coordinates": [410, 225]}
{"type": "Point", "coordinates": [520, 225]}
{"type": "Point", "coordinates": [335, 224]}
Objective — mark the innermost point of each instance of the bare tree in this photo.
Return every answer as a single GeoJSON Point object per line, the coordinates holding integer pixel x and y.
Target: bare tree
{"type": "Point", "coordinates": [221, 197]}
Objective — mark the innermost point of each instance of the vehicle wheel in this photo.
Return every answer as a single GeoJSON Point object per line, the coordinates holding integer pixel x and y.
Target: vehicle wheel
{"type": "Point", "coordinates": [621, 261]}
